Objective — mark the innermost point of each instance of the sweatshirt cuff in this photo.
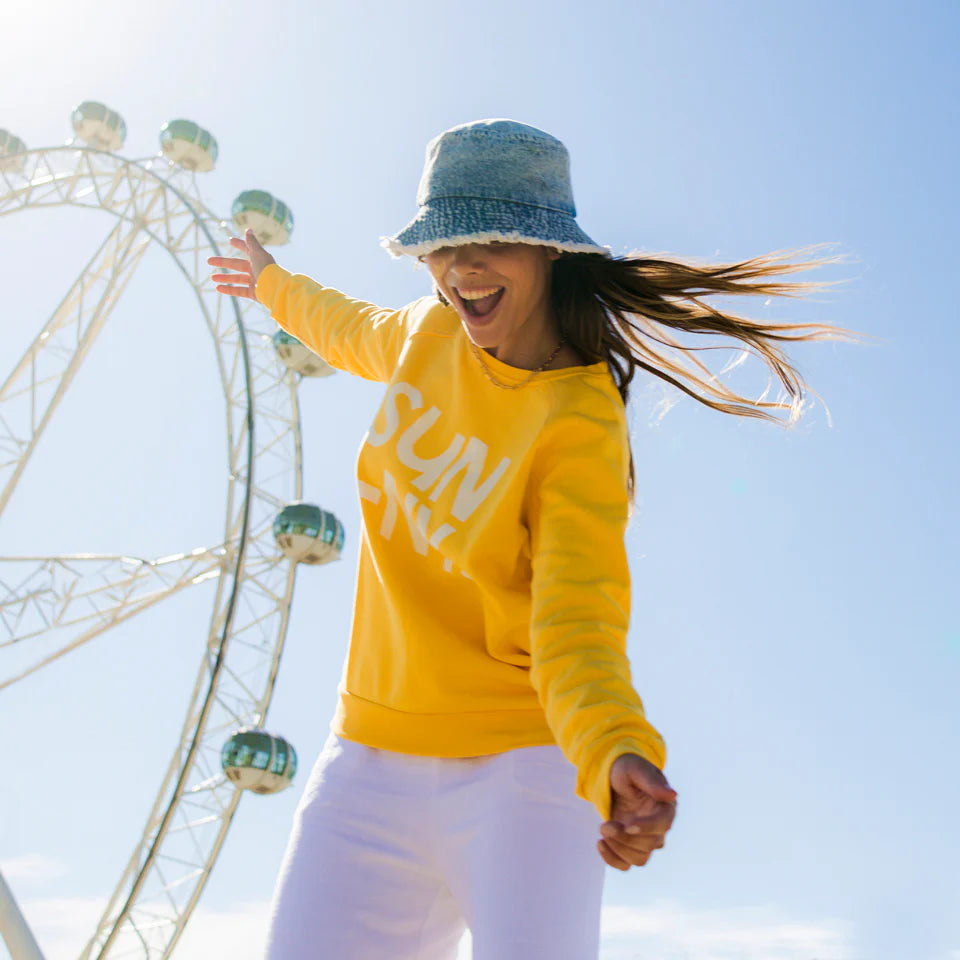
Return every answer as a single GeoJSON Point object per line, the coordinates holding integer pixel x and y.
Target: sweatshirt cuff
{"type": "Point", "coordinates": [271, 276]}
{"type": "Point", "coordinates": [596, 787]}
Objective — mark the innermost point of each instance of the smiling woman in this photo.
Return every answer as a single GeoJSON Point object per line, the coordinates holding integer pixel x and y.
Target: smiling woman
{"type": "Point", "coordinates": [502, 294]}
{"type": "Point", "coordinates": [489, 752]}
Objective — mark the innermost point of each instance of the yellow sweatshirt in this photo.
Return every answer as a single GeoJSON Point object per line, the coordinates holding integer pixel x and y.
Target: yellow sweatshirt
{"type": "Point", "coordinates": [493, 592]}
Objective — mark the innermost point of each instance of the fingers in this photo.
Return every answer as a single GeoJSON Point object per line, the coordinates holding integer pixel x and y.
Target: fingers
{"type": "Point", "coordinates": [659, 822]}
{"type": "Point", "coordinates": [235, 263]}
{"type": "Point", "coordinates": [247, 292]}
{"type": "Point", "coordinates": [241, 279]}
{"type": "Point", "coordinates": [610, 857]}
{"type": "Point", "coordinates": [244, 281]}
{"type": "Point", "coordinates": [232, 278]}
{"type": "Point", "coordinates": [239, 284]}
{"type": "Point", "coordinates": [632, 850]}
{"type": "Point", "coordinates": [231, 263]}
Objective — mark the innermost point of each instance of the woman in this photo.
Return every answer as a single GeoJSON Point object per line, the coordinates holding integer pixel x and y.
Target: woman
{"type": "Point", "coordinates": [487, 728]}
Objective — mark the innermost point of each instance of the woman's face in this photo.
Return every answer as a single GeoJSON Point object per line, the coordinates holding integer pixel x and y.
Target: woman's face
{"type": "Point", "coordinates": [513, 284]}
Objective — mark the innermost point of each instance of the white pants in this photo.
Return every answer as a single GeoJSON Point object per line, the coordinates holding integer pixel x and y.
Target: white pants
{"type": "Point", "coordinates": [392, 856]}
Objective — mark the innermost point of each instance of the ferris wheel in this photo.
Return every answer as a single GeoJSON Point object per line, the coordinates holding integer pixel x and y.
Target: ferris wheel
{"type": "Point", "coordinates": [55, 604]}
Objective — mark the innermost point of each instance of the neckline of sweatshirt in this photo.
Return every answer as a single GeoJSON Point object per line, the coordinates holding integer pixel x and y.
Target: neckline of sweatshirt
{"type": "Point", "coordinates": [503, 371]}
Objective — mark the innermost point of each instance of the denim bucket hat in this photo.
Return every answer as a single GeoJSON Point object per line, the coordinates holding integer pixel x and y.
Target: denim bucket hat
{"type": "Point", "coordinates": [493, 180]}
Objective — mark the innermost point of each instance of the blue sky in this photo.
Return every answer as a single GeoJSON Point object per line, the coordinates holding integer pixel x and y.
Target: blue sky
{"type": "Point", "coordinates": [794, 635]}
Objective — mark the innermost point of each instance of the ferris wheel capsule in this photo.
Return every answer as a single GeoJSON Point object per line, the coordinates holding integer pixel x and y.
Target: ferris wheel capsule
{"type": "Point", "coordinates": [188, 145]}
{"type": "Point", "coordinates": [270, 219]}
{"type": "Point", "coordinates": [177, 849]}
{"type": "Point", "coordinates": [258, 761]}
{"type": "Point", "coordinates": [12, 150]}
{"type": "Point", "coordinates": [299, 358]}
{"type": "Point", "coordinates": [99, 126]}
{"type": "Point", "coordinates": [307, 534]}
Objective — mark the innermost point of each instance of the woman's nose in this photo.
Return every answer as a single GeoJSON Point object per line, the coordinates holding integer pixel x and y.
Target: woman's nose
{"type": "Point", "coordinates": [468, 255]}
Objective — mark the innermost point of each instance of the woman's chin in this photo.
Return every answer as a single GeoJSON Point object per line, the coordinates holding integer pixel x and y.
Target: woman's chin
{"type": "Point", "coordinates": [487, 343]}
{"type": "Point", "coordinates": [483, 337]}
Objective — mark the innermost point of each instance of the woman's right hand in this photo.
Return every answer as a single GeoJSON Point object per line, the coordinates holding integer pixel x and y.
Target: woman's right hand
{"type": "Point", "coordinates": [244, 282]}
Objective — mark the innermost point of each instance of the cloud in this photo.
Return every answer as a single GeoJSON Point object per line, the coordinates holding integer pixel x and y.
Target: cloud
{"type": "Point", "coordinates": [32, 869]}
{"type": "Point", "coordinates": [62, 925]}
{"type": "Point", "coordinates": [667, 930]}
{"type": "Point", "coordinates": [663, 930]}
{"type": "Point", "coordinates": [239, 933]}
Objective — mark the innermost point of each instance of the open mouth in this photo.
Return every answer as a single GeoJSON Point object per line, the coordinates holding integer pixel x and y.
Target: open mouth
{"type": "Point", "coordinates": [482, 302]}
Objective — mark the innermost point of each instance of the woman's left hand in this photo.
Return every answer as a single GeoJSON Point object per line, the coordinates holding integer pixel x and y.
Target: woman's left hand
{"type": "Point", "coordinates": [643, 808]}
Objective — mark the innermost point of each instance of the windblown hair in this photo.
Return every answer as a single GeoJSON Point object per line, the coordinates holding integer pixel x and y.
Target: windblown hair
{"type": "Point", "coordinates": [617, 308]}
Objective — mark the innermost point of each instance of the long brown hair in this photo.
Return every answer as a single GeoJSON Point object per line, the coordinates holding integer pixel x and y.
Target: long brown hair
{"type": "Point", "coordinates": [616, 308]}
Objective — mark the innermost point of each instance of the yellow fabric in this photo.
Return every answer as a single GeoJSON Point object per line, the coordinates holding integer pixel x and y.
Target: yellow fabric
{"type": "Point", "coordinates": [493, 592]}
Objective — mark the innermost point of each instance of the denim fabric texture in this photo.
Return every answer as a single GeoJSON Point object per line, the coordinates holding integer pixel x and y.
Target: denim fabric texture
{"type": "Point", "coordinates": [493, 180]}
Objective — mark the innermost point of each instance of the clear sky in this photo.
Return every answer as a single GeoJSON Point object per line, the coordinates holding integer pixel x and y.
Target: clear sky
{"type": "Point", "coordinates": [794, 635]}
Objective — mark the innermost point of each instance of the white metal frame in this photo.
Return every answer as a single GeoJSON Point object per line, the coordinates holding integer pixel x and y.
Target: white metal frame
{"type": "Point", "coordinates": [65, 601]}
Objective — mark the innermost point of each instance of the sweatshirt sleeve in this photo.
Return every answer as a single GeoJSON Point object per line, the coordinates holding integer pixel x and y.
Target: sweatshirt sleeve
{"type": "Point", "coordinates": [581, 599]}
{"type": "Point", "coordinates": [351, 335]}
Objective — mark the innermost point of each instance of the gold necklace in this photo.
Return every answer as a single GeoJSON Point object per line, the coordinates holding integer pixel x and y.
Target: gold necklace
{"type": "Point", "coordinates": [514, 386]}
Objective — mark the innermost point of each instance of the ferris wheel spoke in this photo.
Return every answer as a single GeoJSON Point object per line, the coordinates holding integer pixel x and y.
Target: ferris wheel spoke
{"type": "Point", "coordinates": [207, 796]}
{"type": "Point", "coordinates": [198, 854]}
{"type": "Point", "coordinates": [165, 888]}
{"type": "Point", "coordinates": [45, 184]}
{"type": "Point", "coordinates": [275, 446]}
{"type": "Point", "coordinates": [218, 731]}
{"type": "Point", "coordinates": [258, 581]}
{"type": "Point", "coordinates": [32, 391]}
{"type": "Point", "coordinates": [235, 677]}
{"type": "Point", "coordinates": [193, 870]}
{"type": "Point", "coordinates": [234, 706]}
{"type": "Point", "coordinates": [89, 594]}
{"type": "Point", "coordinates": [199, 822]}
{"type": "Point", "coordinates": [255, 644]}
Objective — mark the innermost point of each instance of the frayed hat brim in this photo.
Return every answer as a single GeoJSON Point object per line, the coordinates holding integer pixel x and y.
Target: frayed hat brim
{"type": "Point", "coordinates": [454, 221]}
{"type": "Point", "coordinates": [398, 250]}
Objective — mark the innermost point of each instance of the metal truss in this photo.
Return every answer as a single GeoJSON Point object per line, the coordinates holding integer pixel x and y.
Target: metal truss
{"type": "Point", "coordinates": [49, 606]}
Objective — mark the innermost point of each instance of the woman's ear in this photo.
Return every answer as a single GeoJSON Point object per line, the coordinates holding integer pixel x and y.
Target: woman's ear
{"type": "Point", "coordinates": [553, 253]}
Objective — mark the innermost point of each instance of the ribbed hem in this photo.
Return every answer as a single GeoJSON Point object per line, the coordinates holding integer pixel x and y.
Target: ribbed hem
{"type": "Point", "coordinates": [480, 734]}
{"type": "Point", "coordinates": [438, 734]}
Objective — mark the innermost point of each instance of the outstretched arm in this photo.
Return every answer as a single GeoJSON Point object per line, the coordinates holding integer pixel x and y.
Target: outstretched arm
{"type": "Point", "coordinates": [352, 335]}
